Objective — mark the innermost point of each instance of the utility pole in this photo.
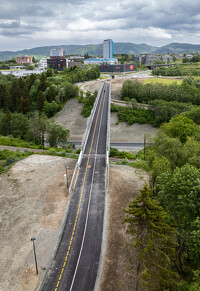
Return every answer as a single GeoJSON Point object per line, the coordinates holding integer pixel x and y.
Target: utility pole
{"type": "Point", "coordinates": [33, 239]}
{"type": "Point", "coordinates": [145, 147]}
{"type": "Point", "coordinates": [66, 167]}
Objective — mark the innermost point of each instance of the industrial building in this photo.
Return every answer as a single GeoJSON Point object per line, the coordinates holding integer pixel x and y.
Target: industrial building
{"type": "Point", "coordinates": [108, 49]}
{"type": "Point", "coordinates": [118, 68]}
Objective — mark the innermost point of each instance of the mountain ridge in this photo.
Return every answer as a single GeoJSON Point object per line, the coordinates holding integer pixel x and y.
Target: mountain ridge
{"type": "Point", "coordinates": [97, 49]}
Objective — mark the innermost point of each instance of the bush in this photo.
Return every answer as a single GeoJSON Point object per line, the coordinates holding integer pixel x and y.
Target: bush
{"type": "Point", "coordinates": [115, 153]}
{"type": "Point", "coordinates": [78, 151]}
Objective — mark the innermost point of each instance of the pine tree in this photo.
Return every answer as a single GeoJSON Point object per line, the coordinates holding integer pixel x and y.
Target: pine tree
{"type": "Point", "coordinates": [41, 99]}
{"type": "Point", "coordinates": [154, 241]}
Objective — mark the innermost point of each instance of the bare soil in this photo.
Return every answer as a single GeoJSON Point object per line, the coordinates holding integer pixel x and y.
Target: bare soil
{"type": "Point", "coordinates": [33, 198]}
{"type": "Point", "coordinates": [70, 117]}
{"type": "Point", "coordinates": [134, 133]}
{"type": "Point", "coordinates": [119, 272]}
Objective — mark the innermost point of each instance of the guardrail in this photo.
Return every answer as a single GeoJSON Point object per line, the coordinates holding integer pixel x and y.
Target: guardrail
{"type": "Point", "coordinates": [72, 186]}
{"type": "Point", "coordinates": [108, 142]}
{"type": "Point", "coordinates": [90, 119]}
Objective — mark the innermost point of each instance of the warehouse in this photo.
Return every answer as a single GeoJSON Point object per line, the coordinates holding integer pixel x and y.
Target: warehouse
{"type": "Point", "coordinates": [118, 68]}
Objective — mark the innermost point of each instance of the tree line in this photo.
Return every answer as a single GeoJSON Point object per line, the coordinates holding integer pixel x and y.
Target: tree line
{"type": "Point", "coordinates": [178, 70]}
{"type": "Point", "coordinates": [187, 92]}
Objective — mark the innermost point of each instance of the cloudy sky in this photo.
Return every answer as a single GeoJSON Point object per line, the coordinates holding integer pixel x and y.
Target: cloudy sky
{"type": "Point", "coordinates": [28, 24]}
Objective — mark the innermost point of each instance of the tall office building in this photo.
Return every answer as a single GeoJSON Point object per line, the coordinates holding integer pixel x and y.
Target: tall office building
{"type": "Point", "coordinates": [60, 52]}
{"type": "Point", "coordinates": [108, 49]}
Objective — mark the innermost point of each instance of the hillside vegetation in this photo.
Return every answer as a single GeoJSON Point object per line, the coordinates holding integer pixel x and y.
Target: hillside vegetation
{"type": "Point", "coordinates": [97, 49]}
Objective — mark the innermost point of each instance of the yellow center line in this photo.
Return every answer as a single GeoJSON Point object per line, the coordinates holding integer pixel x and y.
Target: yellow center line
{"type": "Point", "coordinates": [80, 200]}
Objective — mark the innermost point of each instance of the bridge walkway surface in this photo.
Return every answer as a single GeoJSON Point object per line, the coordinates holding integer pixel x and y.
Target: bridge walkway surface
{"type": "Point", "coordinates": [76, 262]}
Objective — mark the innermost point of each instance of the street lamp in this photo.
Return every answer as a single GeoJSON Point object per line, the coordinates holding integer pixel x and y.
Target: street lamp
{"type": "Point", "coordinates": [67, 175]}
{"type": "Point", "coordinates": [33, 239]}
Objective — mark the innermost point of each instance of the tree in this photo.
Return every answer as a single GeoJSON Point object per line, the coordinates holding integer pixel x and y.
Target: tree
{"type": "Point", "coordinates": [51, 108]}
{"type": "Point", "coordinates": [57, 134]}
{"type": "Point", "coordinates": [43, 82]}
{"type": "Point", "coordinates": [178, 193]}
{"type": "Point", "coordinates": [181, 127]}
{"type": "Point", "coordinates": [19, 125]}
{"type": "Point", "coordinates": [154, 240]}
{"type": "Point", "coordinates": [41, 100]}
{"type": "Point", "coordinates": [38, 125]}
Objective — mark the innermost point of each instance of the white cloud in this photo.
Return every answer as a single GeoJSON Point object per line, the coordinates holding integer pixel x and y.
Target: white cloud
{"type": "Point", "coordinates": [26, 24]}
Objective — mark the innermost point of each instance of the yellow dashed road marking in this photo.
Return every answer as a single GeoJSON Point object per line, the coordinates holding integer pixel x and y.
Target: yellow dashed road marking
{"type": "Point", "coordinates": [87, 167]}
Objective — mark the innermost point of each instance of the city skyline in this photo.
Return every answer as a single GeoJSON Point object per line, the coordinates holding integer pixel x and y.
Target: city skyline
{"type": "Point", "coordinates": [42, 23]}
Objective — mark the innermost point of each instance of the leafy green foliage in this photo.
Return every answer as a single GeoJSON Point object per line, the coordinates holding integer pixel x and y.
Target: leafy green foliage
{"type": "Point", "coordinates": [7, 158]}
{"type": "Point", "coordinates": [123, 154]}
{"type": "Point", "coordinates": [154, 240]}
{"type": "Point", "coordinates": [88, 102]}
{"type": "Point", "coordinates": [178, 70]}
{"type": "Point", "coordinates": [185, 93]}
{"type": "Point", "coordinates": [181, 127]}
{"type": "Point", "coordinates": [179, 192]}
{"type": "Point", "coordinates": [134, 115]}
{"type": "Point", "coordinates": [57, 134]}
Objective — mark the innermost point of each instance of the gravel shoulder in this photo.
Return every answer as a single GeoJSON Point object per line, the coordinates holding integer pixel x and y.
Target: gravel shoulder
{"type": "Point", "coordinates": [33, 198]}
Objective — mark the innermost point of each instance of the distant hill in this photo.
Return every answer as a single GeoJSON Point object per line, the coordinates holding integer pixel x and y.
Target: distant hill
{"type": "Point", "coordinates": [97, 49]}
{"type": "Point", "coordinates": [177, 48]}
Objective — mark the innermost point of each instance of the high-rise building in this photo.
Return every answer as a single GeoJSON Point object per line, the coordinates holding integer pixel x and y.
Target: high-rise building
{"type": "Point", "coordinates": [59, 52]}
{"type": "Point", "coordinates": [108, 49]}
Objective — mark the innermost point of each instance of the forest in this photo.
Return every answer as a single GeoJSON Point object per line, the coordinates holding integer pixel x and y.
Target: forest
{"type": "Point", "coordinates": [164, 220]}
{"type": "Point", "coordinates": [26, 103]}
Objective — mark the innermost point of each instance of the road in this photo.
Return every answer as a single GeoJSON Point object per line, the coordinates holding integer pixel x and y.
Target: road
{"type": "Point", "coordinates": [76, 262]}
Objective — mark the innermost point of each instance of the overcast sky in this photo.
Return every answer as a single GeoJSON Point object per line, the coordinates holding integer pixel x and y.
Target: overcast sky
{"type": "Point", "coordinates": [28, 24]}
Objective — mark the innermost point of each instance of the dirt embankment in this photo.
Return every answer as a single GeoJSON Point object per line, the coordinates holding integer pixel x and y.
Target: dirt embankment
{"type": "Point", "coordinates": [119, 270]}
{"type": "Point", "coordinates": [33, 198]}
{"type": "Point", "coordinates": [70, 117]}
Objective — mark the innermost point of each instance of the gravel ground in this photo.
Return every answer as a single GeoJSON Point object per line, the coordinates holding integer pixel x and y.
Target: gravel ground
{"type": "Point", "coordinates": [70, 117]}
{"type": "Point", "coordinates": [119, 270]}
{"type": "Point", "coordinates": [134, 133]}
{"type": "Point", "coordinates": [33, 198]}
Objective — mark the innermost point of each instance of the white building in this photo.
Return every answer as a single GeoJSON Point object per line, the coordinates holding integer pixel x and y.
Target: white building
{"type": "Point", "coordinates": [108, 49]}
{"type": "Point", "coordinates": [42, 64]}
{"type": "Point", "coordinates": [100, 61]}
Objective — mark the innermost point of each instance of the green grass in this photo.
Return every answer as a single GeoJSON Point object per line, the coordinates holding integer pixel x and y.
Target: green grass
{"type": "Point", "coordinates": [163, 81]}
{"type": "Point", "coordinates": [16, 142]}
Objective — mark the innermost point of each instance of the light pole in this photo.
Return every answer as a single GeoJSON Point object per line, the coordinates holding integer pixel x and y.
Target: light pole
{"type": "Point", "coordinates": [67, 175]}
{"type": "Point", "coordinates": [33, 239]}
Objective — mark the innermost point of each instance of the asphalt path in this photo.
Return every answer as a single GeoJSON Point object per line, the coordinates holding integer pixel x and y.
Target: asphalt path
{"type": "Point", "coordinates": [76, 262]}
